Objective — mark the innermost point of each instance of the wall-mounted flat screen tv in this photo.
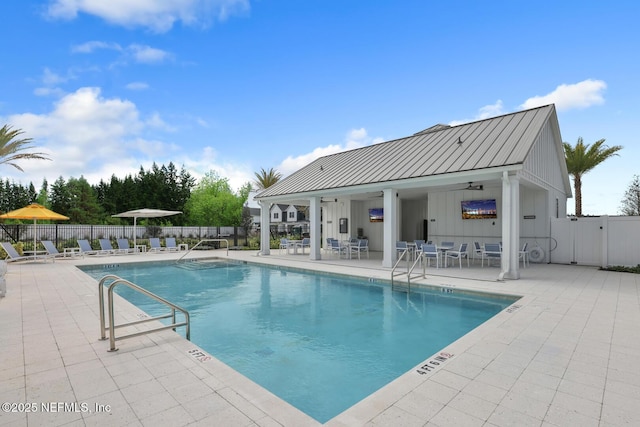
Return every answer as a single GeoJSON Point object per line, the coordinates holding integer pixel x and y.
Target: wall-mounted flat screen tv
{"type": "Point", "coordinates": [479, 209]}
{"type": "Point", "coordinates": [376, 215]}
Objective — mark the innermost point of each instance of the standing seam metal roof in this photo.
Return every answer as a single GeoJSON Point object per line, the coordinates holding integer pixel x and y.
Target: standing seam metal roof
{"type": "Point", "coordinates": [499, 141]}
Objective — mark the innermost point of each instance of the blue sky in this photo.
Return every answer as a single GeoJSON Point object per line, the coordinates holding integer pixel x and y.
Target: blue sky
{"type": "Point", "coordinates": [234, 86]}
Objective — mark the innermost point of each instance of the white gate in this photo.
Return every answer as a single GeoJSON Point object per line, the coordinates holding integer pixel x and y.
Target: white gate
{"type": "Point", "coordinates": [600, 241]}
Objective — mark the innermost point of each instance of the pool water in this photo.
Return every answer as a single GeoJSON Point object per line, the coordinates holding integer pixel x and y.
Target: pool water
{"type": "Point", "coordinates": [321, 342]}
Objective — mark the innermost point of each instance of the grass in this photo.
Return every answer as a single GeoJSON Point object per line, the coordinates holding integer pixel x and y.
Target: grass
{"type": "Point", "coordinates": [623, 269]}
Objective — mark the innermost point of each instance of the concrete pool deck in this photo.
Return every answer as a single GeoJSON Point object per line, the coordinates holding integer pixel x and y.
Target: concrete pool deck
{"type": "Point", "coordinates": [567, 353]}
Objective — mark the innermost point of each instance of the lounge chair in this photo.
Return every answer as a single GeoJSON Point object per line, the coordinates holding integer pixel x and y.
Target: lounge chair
{"type": "Point", "coordinates": [13, 255]}
{"type": "Point", "coordinates": [170, 244]}
{"type": "Point", "coordinates": [51, 249]}
{"type": "Point", "coordinates": [124, 247]}
{"type": "Point", "coordinates": [85, 247]}
{"type": "Point", "coordinates": [105, 247]}
{"type": "Point", "coordinates": [459, 255]}
{"type": "Point", "coordinates": [154, 243]}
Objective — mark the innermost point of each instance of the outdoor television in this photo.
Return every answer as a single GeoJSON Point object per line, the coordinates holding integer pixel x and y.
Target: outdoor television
{"type": "Point", "coordinates": [479, 209]}
{"type": "Point", "coordinates": [376, 215]}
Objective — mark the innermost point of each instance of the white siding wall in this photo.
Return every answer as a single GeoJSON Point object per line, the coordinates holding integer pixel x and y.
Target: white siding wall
{"type": "Point", "coordinates": [331, 214]}
{"type": "Point", "coordinates": [542, 165]}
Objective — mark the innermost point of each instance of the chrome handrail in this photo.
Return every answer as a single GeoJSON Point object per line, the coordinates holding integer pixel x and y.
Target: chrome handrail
{"type": "Point", "coordinates": [202, 241]}
{"type": "Point", "coordinates": [112, 326]}
{"type": "Point", "coordinates": [409, 268]}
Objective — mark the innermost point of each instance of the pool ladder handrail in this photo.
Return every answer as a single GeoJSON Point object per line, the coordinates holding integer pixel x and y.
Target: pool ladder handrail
{"type": "Point", "coordinates": [410, 268]}
{"type": "Point", "coordinates": [202, 241]}
{"type": "Point", "coordinates": [112, 326]}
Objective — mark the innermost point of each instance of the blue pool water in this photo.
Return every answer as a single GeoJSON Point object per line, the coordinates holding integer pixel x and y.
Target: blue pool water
{"type": "Point", "coordinates": [321, 342]}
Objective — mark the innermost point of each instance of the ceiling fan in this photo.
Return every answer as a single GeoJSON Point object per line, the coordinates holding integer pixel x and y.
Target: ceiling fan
{"type": "Point", "coordinates": [477, 187]}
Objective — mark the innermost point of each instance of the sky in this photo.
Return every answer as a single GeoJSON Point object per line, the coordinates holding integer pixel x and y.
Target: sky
{"type": "Point", "coordinates": [235, 86]}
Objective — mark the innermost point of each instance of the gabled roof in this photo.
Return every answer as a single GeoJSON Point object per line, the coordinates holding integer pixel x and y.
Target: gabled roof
{"type": "Point", "coordinates": [496, 142]}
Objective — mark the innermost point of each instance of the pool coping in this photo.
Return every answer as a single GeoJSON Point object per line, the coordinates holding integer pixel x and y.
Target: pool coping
{"type": "Point", "coordinates": [530, 365]}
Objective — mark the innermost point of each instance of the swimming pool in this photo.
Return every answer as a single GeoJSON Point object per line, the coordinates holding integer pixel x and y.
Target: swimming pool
{"type": "Point", "coordinates": [321, 342]}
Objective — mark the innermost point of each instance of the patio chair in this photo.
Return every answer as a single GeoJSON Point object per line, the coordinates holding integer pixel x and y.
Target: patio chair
{"type": "Point", "coordinates": [429, 252]}
{"type": "Point", "coordinates": [491, 251]}
{"type": "Point", "coordinates": [336, 247]}
{"type": "Point", "coordinates": [447, 245]}
{"type": "Point", "coordinates": [12, 253]}
{"type": "Point", "coordinates": [170, 244]}
{"type": "Point", "coordinates": [523, 255]}
{"type": "Point", "coordinates": [477, 251]}
{"type": "Point", "coordinates": [459, 255]}
{"type": "Point", "coordinates": [51, 249]}
{"type": "Point", "coordinates": [284, 244]}
{"type": "Point", "coordinates": [361, 246]}
{"type": "Point", "coordinates": [106, 247]}
{"type": "Point", "coordinates": [402, 246]}
{"type": "Point", "coordinates": [305, 243]}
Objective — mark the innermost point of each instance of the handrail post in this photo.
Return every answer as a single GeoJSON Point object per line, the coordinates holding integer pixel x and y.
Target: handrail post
{"type": "Point", "coordinates": [112, 333]}
{"type": "Point", "coordinates": [103, 332]}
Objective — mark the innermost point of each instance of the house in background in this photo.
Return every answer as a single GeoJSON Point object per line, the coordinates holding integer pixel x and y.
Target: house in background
{"type": "Point", "coordinates": [285, 217]}
{"type": "Point", "coordinates": [415, 188]}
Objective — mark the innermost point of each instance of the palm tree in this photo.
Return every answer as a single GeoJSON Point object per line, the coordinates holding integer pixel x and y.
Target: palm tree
{"type": "Point", "coordinates": [581, 159]}
{"type": "Point", "coordinates": [12, 149]}
{"type": "Point", "coordinates": [265, 179]}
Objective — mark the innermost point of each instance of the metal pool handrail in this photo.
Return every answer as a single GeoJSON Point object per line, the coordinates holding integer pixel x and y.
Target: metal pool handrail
{"type": "Point", "coordinates": [112, 326]}
{"type": "Point", "coordinates": [202, 241]}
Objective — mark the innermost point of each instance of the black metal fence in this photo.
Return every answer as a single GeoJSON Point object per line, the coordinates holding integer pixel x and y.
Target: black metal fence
{"type": "Point", "coordinates": [66, 235]}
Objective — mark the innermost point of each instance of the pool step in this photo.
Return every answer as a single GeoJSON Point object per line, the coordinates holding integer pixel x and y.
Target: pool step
{"type": "Point", "coordinates": [201, 265]}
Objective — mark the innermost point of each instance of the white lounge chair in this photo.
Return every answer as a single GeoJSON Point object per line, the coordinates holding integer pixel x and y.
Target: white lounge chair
{"type": "Point", "coordinates": [124, 247]}
{"type": "Point", "coordinates": [170, 244]}
{"type": "Point", "coordinates": [106, 247]}
{"type": "Point", "coordinates": [154, 243]}
{"type": "Point", "coordinates": [51, 249]}
{"type": "Point", "coordinates": [85, 247]}
{"type": "Point", "coordinates": [12, 254]}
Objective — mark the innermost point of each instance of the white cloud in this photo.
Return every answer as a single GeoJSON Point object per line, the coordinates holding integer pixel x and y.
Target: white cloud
{"type": "Point", "coordinates": [147, 54]}
{"type": "Point", "coordinates": [355, 138]}
{"type": "Point", "coordinates": [86, 134]}
{"type": "Point", "coordinates": [568, 96]}
{"type": "Point", "coordinates": [92, 46]}
{"type": "Point", "coordinates": [158, 16]}
{"type": "Point", "coordinates": [485, 112]}
{"type": "Point", "coordinates": [137, 86]}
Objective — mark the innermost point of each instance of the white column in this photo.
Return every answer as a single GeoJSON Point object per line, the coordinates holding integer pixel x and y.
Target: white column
{"type": "Point", "coordinates": [314, 219]}
{"type": "Point", "coordinates": [510, 227]}
{"type": "Point", "coordinates": [390, 227]}
{"type": "Point", "coordinates": [265, 223]}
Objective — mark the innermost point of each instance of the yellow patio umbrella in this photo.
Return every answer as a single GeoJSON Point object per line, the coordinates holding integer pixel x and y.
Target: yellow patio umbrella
{"type": "Point", "coordinates": [35, 212]}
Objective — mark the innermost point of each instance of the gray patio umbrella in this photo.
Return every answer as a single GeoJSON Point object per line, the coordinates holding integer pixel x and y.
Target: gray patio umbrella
{"type": "Point", "coordinates": [144, 213]}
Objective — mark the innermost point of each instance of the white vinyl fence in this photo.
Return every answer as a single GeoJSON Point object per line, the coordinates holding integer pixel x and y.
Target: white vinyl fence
{"type": "Point", "coordinates": [599, 241]}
